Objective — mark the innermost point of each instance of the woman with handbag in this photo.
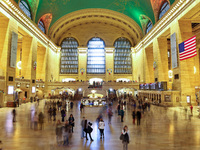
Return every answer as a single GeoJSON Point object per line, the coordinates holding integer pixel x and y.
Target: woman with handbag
{"type": "Point", "coordinates": [71, 122]}
{"type": "Point", "coordinates": [125, 137]}
{"type": "Point", "coordinates": [89, 130]}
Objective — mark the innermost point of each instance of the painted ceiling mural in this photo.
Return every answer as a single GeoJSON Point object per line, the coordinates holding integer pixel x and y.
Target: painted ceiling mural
{"type": "Point", "coordinates": [144, 21]}
{"type": "Point", "coordinates": [132, 8]}
{"type": "Point", "coordinates": [156, 4]}
{"type": "Point", "coordinates": [46, 18]}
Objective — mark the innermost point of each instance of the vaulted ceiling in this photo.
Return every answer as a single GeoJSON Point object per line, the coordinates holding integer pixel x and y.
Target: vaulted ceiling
{"type": "Point", "coordinates": [59, 8]}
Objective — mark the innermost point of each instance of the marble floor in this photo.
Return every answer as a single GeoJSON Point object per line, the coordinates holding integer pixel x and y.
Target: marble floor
{"type": "Point", "coordinates": [161, 129]}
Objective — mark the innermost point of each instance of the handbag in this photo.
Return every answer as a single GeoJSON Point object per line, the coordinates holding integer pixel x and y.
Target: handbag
{"type": "Point", "coordinates": [121, 137]}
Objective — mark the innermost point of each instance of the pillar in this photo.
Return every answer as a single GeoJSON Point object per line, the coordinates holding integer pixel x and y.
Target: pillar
{"type": "Point", "coordinates": [82, 63]}
{"type": "Point", "coordinates": [109, 63]}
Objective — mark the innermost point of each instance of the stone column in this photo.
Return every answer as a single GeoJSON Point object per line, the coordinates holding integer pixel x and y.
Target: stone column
{"type": "Point", "coordinates": [109, 63]}
{"type": "Point", "coordinates": [149, 70]}
{"type": "Point", "coordinates": [82, 63]}
{"type": "Point", "coordinates": [187, 82]}
{"type": "Point", "coordinates": [160, 59]}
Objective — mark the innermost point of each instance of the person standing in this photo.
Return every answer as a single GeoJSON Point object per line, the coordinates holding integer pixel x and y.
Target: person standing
{"type": "Point", "coordinates": [14, 115]}
{"type": "Point", "coordinates": [59, 132]}
{"type": "Point", "coordinates": [122, 114]}
{"type": "Point", "coordinates": [125, 140]}
{"type": "Point", "coordinates": [83, 127]}
{"type": "Point", "coordinates": [71, 122]}
{"type": "Point", "coordinates": [63, 114]}
{"type": "Point", "coordinates": [133, 115]}
{"type": "Point", "coordinates": [148, 105]}
{"type": "Point", "coordinates": [138, 117]}
{"type": "Point", "coordinates": [101, 128]}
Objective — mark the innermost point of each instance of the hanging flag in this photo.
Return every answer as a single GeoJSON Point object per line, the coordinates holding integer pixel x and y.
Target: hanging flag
{"type": "Point", "coordinates": [187, 49]}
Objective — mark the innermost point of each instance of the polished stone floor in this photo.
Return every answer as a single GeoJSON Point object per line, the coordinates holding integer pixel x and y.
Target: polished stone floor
{"type": "Point", "coordinates": [161, 129]}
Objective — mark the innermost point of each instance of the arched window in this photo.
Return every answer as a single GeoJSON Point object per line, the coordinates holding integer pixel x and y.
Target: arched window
{"type": "Point", "coordinates": [96, 56]}
{"type": "Point", "coordinates": [23, 5]}
{"type": "Point", "coordinates": [69, 56]}
{"type": "Point", "coordinates": [122, 60]}
{"type": "Point", "coordinates": [165, 7]}
{"type": "Point", "coordinates": [41, 26]}
{"type": "Point", "coordinates": [149, 26]}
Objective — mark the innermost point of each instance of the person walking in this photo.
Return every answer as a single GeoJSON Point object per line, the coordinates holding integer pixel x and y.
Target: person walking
{"type": "Point", "coordinates": [41, 120]}
{"type": "Point", "coordinates": [101, 128]}
{"type": "Point", "coordinates": [71, 105]}
{"type": "Point", "coordinates": [71, 122]}
{"type": "Point", "coordinates": [110, 114]}
{"type": "Point", "coordinates": [191, 109]}
{"type": "Point", "coordinates": [89, 130]}
{"type": "Point", "coordinates": [35, 119]}
{"type": "Point", "coordinates": [59, 132]}
{"type": "Point", "coordinates": [63, 114]}
{"type": "Point", "coordinates": [125, 139]}
{"type": "Point", "coordinates": [81, 107]}
{"type": "Point", "coordinates": [83, 127]}
{"type": "Point", "coordinates": [50, 112]}
{"type": "Point", "coordinates": [138, 117]}
{"type": "Point", "coordinates": [54, 113]}
{"type": "Point", "coordinates": [118, 109]}
{"type": "Point", "coordinates": [14, 115]}
{"type": "Point", "coordinates": [133, 115]}
{"type": "Point", "coordinates": [122, 114]}
{"type": "Point", "coordinates": [66, 132]}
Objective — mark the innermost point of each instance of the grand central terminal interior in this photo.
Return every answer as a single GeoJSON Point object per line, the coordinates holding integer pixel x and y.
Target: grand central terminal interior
{"type": "Point", "coordinates": [109, 61]}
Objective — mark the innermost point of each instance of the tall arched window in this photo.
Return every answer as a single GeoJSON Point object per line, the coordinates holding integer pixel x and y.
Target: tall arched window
{"type": "Point", "coordinates": [42, 26]}
{"type": "Point", "coordinates": [164, 8]}
{"type": "Point", "coordinates": [23, 5]}
{"type": "Point", "coordinates": [96, 56]}
{"type": "Point", "coordinates": [122, 61]}
{"type": "Point", "coordinates": [69, 56]}
{"type": "Point", "coordinates": [149, 26]}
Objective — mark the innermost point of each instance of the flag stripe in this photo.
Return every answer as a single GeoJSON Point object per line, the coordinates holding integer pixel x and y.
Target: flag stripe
{"type": "Point", "coordinates": [187, 49]}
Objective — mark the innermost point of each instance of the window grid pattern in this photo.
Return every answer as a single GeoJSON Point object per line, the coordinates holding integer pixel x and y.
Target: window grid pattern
{"type": "Point", "coordinates": [149, 26]}
{"type": "Point", "coordinates": [41, 26]}
{"type": "Point", "coordinates": [165, 7]}
{"type": "Point", "coordinates": [25, 8]}
{"type": "Point", "coordinates": [122, 60]}
{"type": "Point", "coordinates": [96, 56]}
{"type": "Point", "coordinates": [69, 56]}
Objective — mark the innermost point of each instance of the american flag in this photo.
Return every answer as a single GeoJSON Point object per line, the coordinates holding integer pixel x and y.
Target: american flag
{"type": "Point", "coordinates": [187, 49]}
